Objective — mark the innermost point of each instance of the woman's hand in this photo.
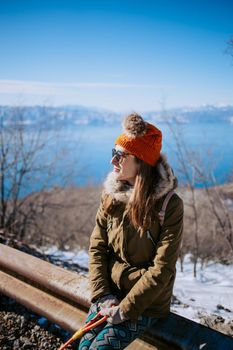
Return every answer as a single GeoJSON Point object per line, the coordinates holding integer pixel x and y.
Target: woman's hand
{"type": "Point", "coordinates": [107, 301]}
{"type": "Point", "coordinates": [115, 314]}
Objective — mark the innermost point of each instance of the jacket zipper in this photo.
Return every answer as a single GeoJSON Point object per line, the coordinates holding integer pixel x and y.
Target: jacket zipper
{"type": "Point", "coordinates": [150, 237]}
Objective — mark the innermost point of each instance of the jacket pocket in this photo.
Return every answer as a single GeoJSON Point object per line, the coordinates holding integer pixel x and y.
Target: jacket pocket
{"type": "Point", "coordinates": [130, 276]}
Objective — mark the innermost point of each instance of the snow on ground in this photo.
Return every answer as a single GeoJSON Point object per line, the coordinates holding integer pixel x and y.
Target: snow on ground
{"type": "Point", "coordinates": [79, 257]}
{"type": "Point", "coordinates": [213, 285]}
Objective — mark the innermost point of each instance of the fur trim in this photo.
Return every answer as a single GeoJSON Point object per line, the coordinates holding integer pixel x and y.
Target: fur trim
{"type": "Point", "coordinates": [168, 180]}
{"type": "Point", "coordinates": [134, 125]}
{"type": "Point", "coordinates": [121, 191]}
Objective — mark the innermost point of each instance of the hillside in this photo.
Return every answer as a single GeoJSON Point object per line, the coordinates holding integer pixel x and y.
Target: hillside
{"type": "Point", "coordinates": [66, 217]}
{"type": "Point", "coordinates": [72, 116]}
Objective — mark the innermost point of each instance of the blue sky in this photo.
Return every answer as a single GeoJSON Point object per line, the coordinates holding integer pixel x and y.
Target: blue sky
{"type": "Point", "coordinates": [121, 55]}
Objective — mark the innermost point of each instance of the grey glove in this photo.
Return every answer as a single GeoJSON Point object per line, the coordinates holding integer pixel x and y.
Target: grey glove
{"type": "Point", "coordinates": [107, 301]}
{"type": "Point", "coordinates": [115, 314]}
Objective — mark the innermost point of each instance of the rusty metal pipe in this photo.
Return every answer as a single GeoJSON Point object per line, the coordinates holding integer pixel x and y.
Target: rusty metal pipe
{"type": "Point", "coordinates": [174, 332]}
{"type": "Point", "coordinates": [60, 281]}
{"type": "Point", "coordinates": [57, 311]}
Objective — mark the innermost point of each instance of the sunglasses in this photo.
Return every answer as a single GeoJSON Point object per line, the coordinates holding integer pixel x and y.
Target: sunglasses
{"type": "Point", "coordinates": [118, 154]}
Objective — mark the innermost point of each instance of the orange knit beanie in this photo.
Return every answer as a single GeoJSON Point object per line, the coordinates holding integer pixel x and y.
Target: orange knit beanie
{"type": "Point", "coordinates": [141, 139]}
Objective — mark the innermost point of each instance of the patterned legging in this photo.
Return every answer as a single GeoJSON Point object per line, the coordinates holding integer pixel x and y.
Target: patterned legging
{"type": "Point", "coordinates": [113, 336]}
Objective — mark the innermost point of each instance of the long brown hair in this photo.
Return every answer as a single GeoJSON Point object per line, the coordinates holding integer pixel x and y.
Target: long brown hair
{"type": "Point", "coordinates": [141, 207]}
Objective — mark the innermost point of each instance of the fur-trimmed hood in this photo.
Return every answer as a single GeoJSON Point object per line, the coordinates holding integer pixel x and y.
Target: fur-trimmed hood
{"type": "Point", "coordinates": [121, 191]}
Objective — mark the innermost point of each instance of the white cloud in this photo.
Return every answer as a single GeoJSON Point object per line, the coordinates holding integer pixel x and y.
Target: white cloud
{"type": "Point", "coordinates": [110, 95]}
{"type": "Point", "coordinates": [45, 88]}
{"type": "Point", "coordinates": [26, 87]}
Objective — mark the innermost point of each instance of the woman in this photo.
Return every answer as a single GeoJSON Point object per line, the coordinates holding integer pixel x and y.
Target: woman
{"type": "Point", "coordinates": [132, 252]}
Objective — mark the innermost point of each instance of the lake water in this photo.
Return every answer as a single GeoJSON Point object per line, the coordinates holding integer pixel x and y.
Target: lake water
{"type": "Point", "coordinates": [91, 148]}
{"type": "Point", "coordinates": [88, 152]}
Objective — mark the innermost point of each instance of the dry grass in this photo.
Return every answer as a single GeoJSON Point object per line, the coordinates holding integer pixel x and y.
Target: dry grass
{"type": "Point", "coordinates": [66, 217]}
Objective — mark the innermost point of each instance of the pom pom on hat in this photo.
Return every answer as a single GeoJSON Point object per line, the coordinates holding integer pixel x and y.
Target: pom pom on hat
{"type": "Point", "coordinates": [141, 139]}
{"type": "Point", "coordinates": [134, 125]}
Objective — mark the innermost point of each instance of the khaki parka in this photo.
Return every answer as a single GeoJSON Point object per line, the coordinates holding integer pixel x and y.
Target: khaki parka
{"type": "Point", "coordinates": [137, 266]}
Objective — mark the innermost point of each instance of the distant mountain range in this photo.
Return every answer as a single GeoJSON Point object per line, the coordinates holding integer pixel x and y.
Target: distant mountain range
{"type": "Point", "coordinates": [71, 116]}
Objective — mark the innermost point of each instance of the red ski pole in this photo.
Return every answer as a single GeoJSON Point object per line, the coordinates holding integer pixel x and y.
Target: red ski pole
{"type": "Point", "coordinates": [94, 322]}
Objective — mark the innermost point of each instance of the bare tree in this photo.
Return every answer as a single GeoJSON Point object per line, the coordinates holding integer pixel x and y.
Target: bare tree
{"type": "Point", "coordinates": [183, 155]}
{"type": "Point", "coordinates": [24, 162]}
{"type": "Point", "coordinates": [217, 205]}
{"type": "Point", "coordinates": [210, 213]}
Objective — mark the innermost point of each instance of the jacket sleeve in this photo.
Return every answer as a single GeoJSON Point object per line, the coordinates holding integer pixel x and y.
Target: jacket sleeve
{"type": "Point", "coordinates": [98, 257]}
{"type": "Point", "coordinates": [157, 277]}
